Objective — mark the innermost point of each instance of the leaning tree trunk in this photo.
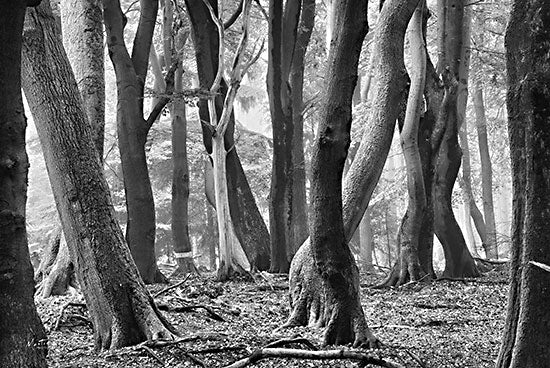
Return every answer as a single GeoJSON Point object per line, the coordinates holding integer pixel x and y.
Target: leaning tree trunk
{"type": "Point", "coordinates": [458, 260]}
{"type": "Point", "coordinates": [122, 311]}
{"type": "Point", "coordinates": [249, 225]}
{"type": "Point", "coordinates": [526, 339]}
{"type": "Point", "coordinates": [82, 24]}
{"type": "Point", "coordinates": [133, 128]}
{"type": "Point", "coordinates": [408, 267]}
{"type": "Point", "coordinates": [490, 245]}
{"type": "Point", "coordinates": [306, 290]}
{"type": "Point", "coordinates": [22, 336]}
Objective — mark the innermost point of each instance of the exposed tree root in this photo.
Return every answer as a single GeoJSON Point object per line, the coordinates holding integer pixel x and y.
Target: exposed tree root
{"type": "Point", "coordinates": [308, 300]}
{"type": "Point", "coordinates": [171, 287]}
{"type": "Point", "coordinates": [362, 358]}
{"type": "Point", "coordinates": [56, 273]}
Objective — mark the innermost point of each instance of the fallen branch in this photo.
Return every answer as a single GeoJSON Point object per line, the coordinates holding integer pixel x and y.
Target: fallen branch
{"type": "Point", "coordinates": [217, 349]}
{"type": "Point", "coordinates": [266, 353]}
{"type": "Point", "coordinates": [163, 291]}
{"type": "Point", "coordinates": [299, 340]}
{"type": "Point", "coordinates": [149, 351]}
{"type": "Point", "coordinates": [492, 261]}
{"type": "Point", "coordinates": [187, 308]}
{"type": "Point", "coordinates": [62, 311]}
{"type": "Point", "coordinates": [160, 343]}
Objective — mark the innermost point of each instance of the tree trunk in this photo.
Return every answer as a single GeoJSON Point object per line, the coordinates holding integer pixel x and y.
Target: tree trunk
{"type": "Point", "coordinates": [526, 339]}
{"type": "Point", "coordinates": [299, 198]}
{"type": "Point", "coordinates": [132, 130]}
{"type": "Point", "coordinates": [249, 224]}
{"type": "Point", "coordinates": [408, 267]}
{"type": "Point", "coordinates": [306, 288]}
{"type": "Point", "coordinates": [490, 245]}
{"type": "Point", "coordinates": [122, 311]}
{"type": "Point", "coordinates": [459, 262]}
{"type": "Point", "coordinates": [366, 242]}
{"type": "Point", "coordinates": [22, 336]}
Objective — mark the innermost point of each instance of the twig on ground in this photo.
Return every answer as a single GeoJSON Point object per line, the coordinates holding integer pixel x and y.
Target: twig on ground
{"type": "Point", "coordinates": [162, 343]}
{"type": "Point", "coordinates": [492, 261]}
{"type": "Point", "coordinates": [313, 355]}
{"type": "Point", "coordinates": [163, 291]}
{"type": "Point", "coordinates": [62, 311]}
{"type": "Point", "coordinates": [149, 351]}
{"type": "Point", "coordinates": [194, 359]}
{"type": "Point", "coordinates": [217, 349]}
{"type": "Point", "coordinates": [187, 308]}
{"type": "Point", "coordinates": [471, 279]}
{"type": "Point", "coordinates": [299, 340]}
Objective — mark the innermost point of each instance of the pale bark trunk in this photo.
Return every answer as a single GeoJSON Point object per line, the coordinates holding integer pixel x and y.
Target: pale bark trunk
{"type": "Point", "coordinates": [491, 246]}
{"type": "Point", "coordinates": [366, 242]}
{"type": "Point", "coordinates": [22, 336]}
{"type": "Point", "coordinates": [526, 339]}
{"type": "Point", "coordinates": [122, 311]}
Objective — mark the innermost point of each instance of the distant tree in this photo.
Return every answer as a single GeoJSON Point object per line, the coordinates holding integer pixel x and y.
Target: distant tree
{"type": "Point", "coordinates": [290, 28]}
{"type": "Point", "coordinates": [248, 223]}
{"type": "Point", "coordinates": [526, 339]}
{"type": "Point", "coordinates": [458, 260]}
{"type": "Point", "coordinates": [22, 336]}
{"type": "Point", "coordinates": [133, 128]}
{"type": "Point", "coordinates": [121, 309]}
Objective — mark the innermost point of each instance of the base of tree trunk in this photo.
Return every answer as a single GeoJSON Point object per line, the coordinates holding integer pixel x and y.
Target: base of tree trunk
{"type": "Point", "coordinates": [185, 266]}
{"type": "Point", "coordinates": [159, 278]}
{"type": "Point", "coordinates": [230, 271]}
{"type": "Point", "coordinates": [310, 307]}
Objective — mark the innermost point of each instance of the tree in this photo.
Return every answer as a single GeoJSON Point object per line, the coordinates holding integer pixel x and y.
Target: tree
{"type": "Point", "coordinates": [290, 28]}
{"type": "Point", "coordinates": [82, 25]}
{"type": "Point", "coordinates": [307, 291]}
{"type": "Point", "coordinates": [249, 225]}
{"type": "Point", "coordinates": [458, 260]}
{"type": "Point", "coordinates": [122, 311]}
{"type": "Point", "coordinates": [526, 338]}
{"type": "Point", "coordinates": [22, 336]}
{"type": "Point", "coordinates": [408, 267]}
{"type": "Point", "coordinates": [133, 128]}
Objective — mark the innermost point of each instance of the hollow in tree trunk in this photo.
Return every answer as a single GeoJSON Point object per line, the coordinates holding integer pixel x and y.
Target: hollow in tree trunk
{"type": "Point", "coordinates": [122, 311]}
{"type": "Point", "coordinates": [22, 336]}
{"type": "Point", "coordinates": [526, 339]}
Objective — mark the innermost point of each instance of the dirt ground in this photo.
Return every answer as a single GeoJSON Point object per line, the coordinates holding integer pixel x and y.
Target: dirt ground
{"type": "Point", "coordinates": [439, 324]}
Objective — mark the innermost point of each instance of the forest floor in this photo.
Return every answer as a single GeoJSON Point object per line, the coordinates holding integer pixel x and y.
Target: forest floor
{"type": "Point", "coordinates": [431, 325]}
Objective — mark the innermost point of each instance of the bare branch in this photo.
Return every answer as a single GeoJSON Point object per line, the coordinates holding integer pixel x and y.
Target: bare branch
{"type": "Point", "coordinates": [234, 17]}
{"type": "Point", "coordinates": [163, 101]}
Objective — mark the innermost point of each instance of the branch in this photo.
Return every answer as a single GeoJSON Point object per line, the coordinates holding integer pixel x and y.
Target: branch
{"type": "Point", "coordinates": [234, 17]}
{"type": "Point", "coordinates": [169, 80]}
{"type": "Point", "coordinates": [171, 287]}
{"type": "Point", "coordinates": [265, 353]}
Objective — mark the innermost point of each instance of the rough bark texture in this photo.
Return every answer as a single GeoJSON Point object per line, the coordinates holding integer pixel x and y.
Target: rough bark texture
{"type": "Point", "coordinates": [490, 245]}
{"type": "Point", "coordinates": [132, 130]}
{"type": "Point", "coordinates": [408, 267]}
{"type": "Point", "coordinates": [122, 311]}
{"type": "Point", "coordinates": [526, 339]}
{"type": "Point", "coordinates": [306, 288]}
{"type": "Point", "coordinates": [458, 260]}
{"type": "Point", "coordinates": [22, 336]}
{"type": "Point", "coordinates": [248, 222]}
{"type": "Point", "coordinates": [366, 242]}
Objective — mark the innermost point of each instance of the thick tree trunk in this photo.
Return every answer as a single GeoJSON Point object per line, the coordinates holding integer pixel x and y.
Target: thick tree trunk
{"type": "Point", "coordinates": [132, 130]}
{"type": "Point", "coordinates": [60, 275]}
{"type": "Point", "coordinates": [526, 339]}
{"type": "Point", "coordinates": [122, 311]}
{"type": "Point", "coordinates": [248, 222]}
{"type": "Point", "coordinates": [306, 300]}
{"type": "Point", "coordinates": [490, 245]}
{"type": "Point", "coordinates": [459, 262]}
{"type": "Point", "coordinates": [408, 267]}
{"type": "Point", "coordinates": [22, 336]}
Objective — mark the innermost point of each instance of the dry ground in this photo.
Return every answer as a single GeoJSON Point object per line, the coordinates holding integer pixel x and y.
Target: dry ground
{"type": "Point", "coordinates": [439, 324]}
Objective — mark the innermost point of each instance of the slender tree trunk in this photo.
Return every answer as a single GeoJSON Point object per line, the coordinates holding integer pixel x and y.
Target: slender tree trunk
{"type": "Point", "coordinates": [249, 225]}
{"type": "Point", "coordinates": [122, 311]}
{"type": "Point", "coordinates": [132, 130]}
{"type": "Point", "coordinates": [408, 267]}
{"type": "Point", "coordinates": [459, 262]}
{"type": "Point", "coordinates": [490, 245]}
{"type": "Point", "coordinates": [22, 336]}
{"type": "Point", "coordinates": [526, 339]}
{"type": "Point", "coordinates": [366, 242]}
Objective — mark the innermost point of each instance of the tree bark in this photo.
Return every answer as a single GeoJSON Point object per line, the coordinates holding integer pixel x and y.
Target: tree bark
{"type": "Point", "coordinates": [490, 245]}
{"type": "Point", "coordinates": [526, 339]}
{"type": "Point", "coordinates": [459, 262]}
{"type": "Point", "coordinates": [366, 242]}
{"type": "Point", "coordinates": [22, 336]}
{"type": "Point", "coordinates": [408, 268]}
{"type": "Point", "coordinates": [122, 311]}
{"type": "Point", "coordinates": [132, 131]}
{"type": "Point", "coordinates": [249, 225]}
